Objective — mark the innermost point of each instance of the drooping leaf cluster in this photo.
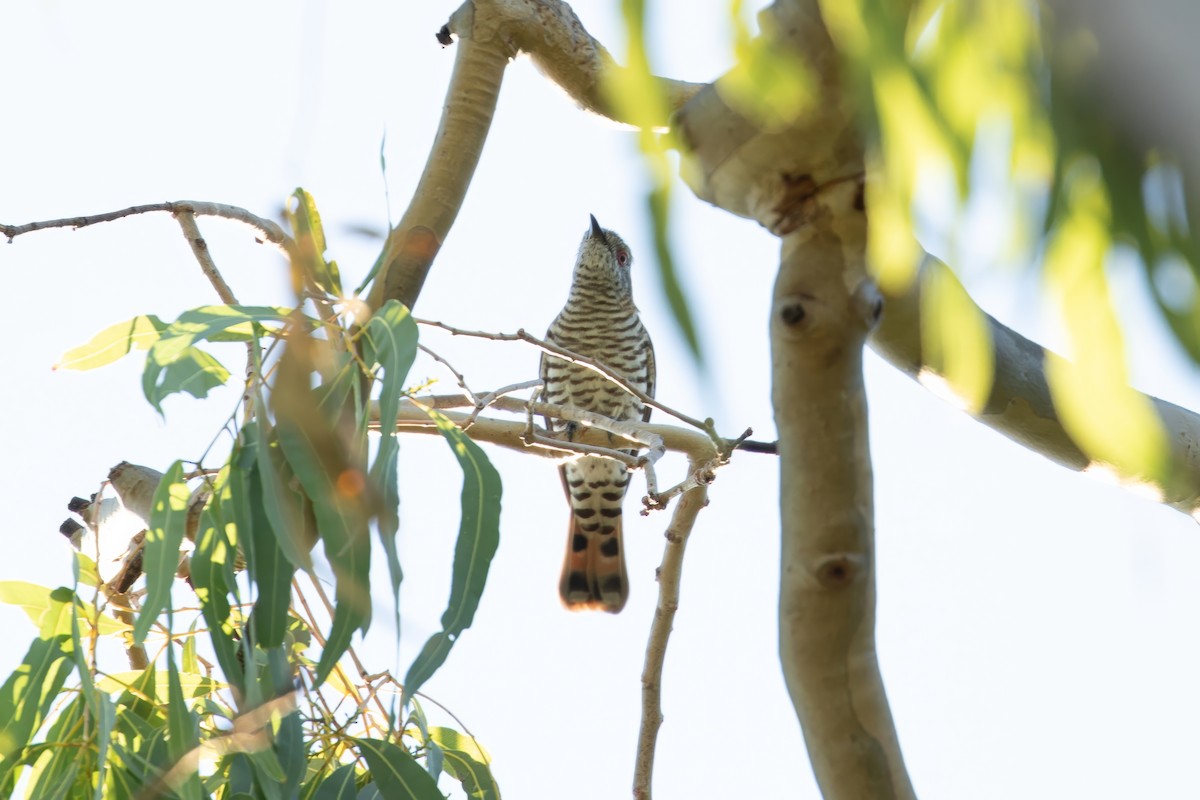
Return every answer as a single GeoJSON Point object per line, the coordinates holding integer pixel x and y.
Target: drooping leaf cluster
{"type": "Point", "coordinates": [305, 468]}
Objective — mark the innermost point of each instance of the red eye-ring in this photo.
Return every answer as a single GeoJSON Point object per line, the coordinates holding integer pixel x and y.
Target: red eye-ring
{"type": "Point", "coordinates": [622, 257]}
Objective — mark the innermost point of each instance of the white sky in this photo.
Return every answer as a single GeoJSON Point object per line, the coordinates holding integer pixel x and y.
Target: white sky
{"type": "Point", "coordinates": [1037, 630]}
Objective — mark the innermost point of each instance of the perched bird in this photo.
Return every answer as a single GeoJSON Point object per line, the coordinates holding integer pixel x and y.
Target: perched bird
{"type": "Point", "coordinates": [599, 321]}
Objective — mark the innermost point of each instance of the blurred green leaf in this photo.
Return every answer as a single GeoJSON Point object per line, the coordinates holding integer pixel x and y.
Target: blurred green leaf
{"type": "Point", "coordinates": [478, 538]}
{"type": "Point", "coordinates": [658, 202]}
{"type": "Point", "coordinates": [768, 84]}
{"type": "Point", "coordinates": [113, 342]}
{"type": "Point", "coordinates": [337, 503]}
{"type": "Point", "coordinates": [160, 558]}
{"type": "Point", "coordinates": [637, 96]}
{"type": "Point", "coordinates": [396, 773]}
{"type": "Point", "coordinates": [956, 339]}
{"type": "Point", "coordinates": [390, 340]}
{"type": "Point", "coordinates": [310, 243]}
{"type": "Point", "coordinates": [1112, 423]}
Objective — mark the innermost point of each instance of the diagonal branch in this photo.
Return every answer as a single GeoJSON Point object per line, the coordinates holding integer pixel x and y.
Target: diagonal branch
{"type": "Point", "coordinates": [1020, 405]}
{"type": "Point", "coordinates": [466, 118]}
{"type": "Point", "coordinates": [489, 34]}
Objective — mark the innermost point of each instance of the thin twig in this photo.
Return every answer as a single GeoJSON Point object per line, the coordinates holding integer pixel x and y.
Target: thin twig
{"type": "Point", "coordinates": [270, 231]}
{"type": "Point", "coordinates": [491, 397]}
{"type": "Point", "coordinates": [598, 367]}
{"type": "Point", "coordinates": [191, 232]}
{"type": "Point", "coordinates": [316, 634]}
{"type": "Point", "coordinates": [458, 376]}
{"type": "Point", "coordinates": [362, 671]}
{"type": "Point", "coordinates": [705, 475]}
{"type": "Point", "coordinates": [682, 522]}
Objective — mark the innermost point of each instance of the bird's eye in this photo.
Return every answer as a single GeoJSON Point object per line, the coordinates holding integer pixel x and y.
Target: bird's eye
{"type": "Point", "coordinates": [622, 257]}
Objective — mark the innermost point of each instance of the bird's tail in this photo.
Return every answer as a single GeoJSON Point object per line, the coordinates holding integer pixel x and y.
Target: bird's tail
{"type": "Point", "coordinates": [593, 575]}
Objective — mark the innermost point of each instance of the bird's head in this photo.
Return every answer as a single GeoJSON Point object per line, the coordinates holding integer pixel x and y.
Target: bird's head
{"type": "Point", "coordinates": [604, 261]}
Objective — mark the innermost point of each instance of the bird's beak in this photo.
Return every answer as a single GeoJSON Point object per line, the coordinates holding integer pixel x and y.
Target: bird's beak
{"type": "Point", "coordinates": [597, 231]}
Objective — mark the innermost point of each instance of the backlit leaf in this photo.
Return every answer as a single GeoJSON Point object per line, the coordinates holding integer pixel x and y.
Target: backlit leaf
{"type": "Point", "coordinates": [309, 235]}
{"type": "Point", "coordinates": [114, 342]}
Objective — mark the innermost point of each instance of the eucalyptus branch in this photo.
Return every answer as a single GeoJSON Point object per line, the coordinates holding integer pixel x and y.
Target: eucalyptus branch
{"type": "Point", "coordinates": [134, 653]}
{"type": "Point", "coordinates": [588, 438]}
{"type": "Point", "coordinates": [669, 573]}
{"type": "Point", "coordinates": [269, 230]}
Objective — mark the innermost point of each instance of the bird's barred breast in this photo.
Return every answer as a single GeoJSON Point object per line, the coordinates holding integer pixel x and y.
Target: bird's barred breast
{"type": "Point", "coordinates": [613, 337]}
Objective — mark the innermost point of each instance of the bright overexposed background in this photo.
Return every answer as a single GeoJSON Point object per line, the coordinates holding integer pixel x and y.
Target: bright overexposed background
{"type": "Point", "coordinates": [1037, 629]}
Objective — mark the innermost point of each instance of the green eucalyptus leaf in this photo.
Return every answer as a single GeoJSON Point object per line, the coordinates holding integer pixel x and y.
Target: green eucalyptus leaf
{"type": "Point", "coordinates": [183, 732]}
{"type": "Point", "coordinates": [160, 558]}
{"type": "Point", "coordinates": [338, 785]}
{"type": "Point", "coordinates": [467, 762]}
{"type": "Point", "coordinates": [29, 692]}
{"type": "Point", "coordinates": [478, 538]}
{"type": "Point", "coordinates": [396, 773]}
{"type": "Point", "coordinates": [193, 371]}
{"type": "Point", "coordinates": [213, 570]}
{"type": "Point", "coordinates": [390, 340]}
{"type": "Point", "coordinates": [345, 533]}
